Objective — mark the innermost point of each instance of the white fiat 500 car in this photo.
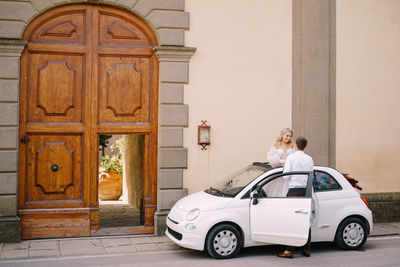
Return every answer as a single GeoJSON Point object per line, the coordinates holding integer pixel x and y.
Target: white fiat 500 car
{"type": "Point", "coordinates": [253, 207]}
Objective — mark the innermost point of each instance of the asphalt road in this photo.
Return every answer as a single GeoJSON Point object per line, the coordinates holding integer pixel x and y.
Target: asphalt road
{"type": "Point", "coordinates": [378, 251]}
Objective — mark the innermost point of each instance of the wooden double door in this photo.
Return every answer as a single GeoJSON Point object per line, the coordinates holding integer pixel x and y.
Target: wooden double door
{"type": "Point", "coordinates": [87, 70]}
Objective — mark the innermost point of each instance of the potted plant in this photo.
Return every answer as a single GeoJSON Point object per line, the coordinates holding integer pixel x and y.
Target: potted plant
{"type": "Point", "coordinates": [110, 176]}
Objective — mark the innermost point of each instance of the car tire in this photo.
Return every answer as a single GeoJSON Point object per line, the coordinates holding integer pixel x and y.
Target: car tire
{"type": "Point", "coordinates": [224, 241]}
{"type": "Point", "coordinates": [351, 234]}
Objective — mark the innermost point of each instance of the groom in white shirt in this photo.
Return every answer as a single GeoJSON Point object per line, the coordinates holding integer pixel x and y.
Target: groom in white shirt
{"type": "Point", "coordinates": [298, 161]}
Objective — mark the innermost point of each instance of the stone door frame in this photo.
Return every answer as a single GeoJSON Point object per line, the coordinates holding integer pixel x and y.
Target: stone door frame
{"type": "Point", "coordinates": [169, 21]}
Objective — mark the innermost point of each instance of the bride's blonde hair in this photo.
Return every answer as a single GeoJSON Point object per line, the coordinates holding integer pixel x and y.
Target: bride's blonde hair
{"type": "Point", "coordinates": [283, 132]}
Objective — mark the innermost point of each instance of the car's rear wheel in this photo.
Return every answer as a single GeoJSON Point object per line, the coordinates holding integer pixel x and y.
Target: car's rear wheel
{"type": "Point", "coordinates": [223, 241]}
{"type": "Point", "coordinates": [351, 234]}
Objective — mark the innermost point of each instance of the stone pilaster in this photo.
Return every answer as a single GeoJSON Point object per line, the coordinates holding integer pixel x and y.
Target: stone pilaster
{"type": "Point", "coordinates": [314, 77]}
{"type": "Point", "coordinates": [173, 116]}
{"type": "Point", "coordinates": [10, 53]}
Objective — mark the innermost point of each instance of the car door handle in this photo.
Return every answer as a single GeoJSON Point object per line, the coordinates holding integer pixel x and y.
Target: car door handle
{"type": "Point", "coordinates": [301, 211]}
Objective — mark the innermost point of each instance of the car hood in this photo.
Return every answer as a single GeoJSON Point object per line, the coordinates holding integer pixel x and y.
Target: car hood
{"type": "Point", "coordinates": [203, 201]}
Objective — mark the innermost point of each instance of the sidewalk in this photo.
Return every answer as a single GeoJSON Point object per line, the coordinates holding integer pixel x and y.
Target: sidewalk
{"type": "Point", "coordinates": [53, 248]}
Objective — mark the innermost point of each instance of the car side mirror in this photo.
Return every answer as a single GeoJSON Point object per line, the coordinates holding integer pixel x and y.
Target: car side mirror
{"type": "Point", "coordinates": [255, 197]}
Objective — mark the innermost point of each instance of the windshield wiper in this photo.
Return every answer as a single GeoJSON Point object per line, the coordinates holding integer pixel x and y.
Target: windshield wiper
{"type": "Point", "coordinates": [216, 190]}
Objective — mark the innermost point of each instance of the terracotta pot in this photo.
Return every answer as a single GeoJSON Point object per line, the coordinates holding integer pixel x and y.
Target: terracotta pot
{"type": "Point", "coordinates": [110, 185]}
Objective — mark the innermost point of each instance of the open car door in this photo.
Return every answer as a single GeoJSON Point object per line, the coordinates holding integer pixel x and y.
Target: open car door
{"type": "Point", "coordinates": [280, 218]}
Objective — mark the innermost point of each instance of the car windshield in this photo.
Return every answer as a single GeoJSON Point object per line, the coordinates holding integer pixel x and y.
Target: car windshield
{"type": "Point", "coordinates": [233, 184]}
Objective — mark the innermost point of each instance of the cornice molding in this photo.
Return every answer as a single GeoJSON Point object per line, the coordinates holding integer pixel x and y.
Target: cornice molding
{"type": "Point", "coordinates": [12, 47]}
{"type": "Point", "coordinates": [174, 53]}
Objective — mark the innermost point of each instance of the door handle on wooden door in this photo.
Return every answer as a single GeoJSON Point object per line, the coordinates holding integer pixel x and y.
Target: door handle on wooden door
{"type": "Point", "coordinates": [25, 139]}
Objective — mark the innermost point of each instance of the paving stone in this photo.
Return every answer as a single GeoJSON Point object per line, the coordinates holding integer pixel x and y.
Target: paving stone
{"type": "Point", "coordinates": [396, 224]}
{"type": "Point", "coordinates": [44, 253]}
{"type": "Point", "coordinates": [15, 250]}
{"type": "Point", "coordinates": [169, 246]}
{"type": "Point", "coordinates": [147, 247]}
{"type": "Point", "coordinates": [140, 240]}
{"type": "Point", "coordinates": [114, 242]}
{"type": "Point", "coordinates": [121, 249]}
{"type": "Point", "coordinates": [14, 254]}
{"type": "Point", "coordinates": [385, 229]}
{"type": "Point", "coordinates": [389, 227]}
{"type": "Point", "coordinates": [81, 247]}
{"type": "Point", "coordinates": [118, 245]}
{"type": "Point", "coordinates": [378, 231]}
{"type": "Point", "coordinates": [43, 245]}
{"type": "Point", "coordinates": [161, 239]}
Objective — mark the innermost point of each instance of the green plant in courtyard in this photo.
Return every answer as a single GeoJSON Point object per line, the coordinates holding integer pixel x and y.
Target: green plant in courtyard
{"type": "Point", "coordinates": [115, 162]}
{"type": "Point", "coordinates": [112, 163]}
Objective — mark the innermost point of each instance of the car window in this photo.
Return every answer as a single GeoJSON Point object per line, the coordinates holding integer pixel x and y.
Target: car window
{"type": "Point", "coordinates": [324, 182]}
{"type": "Point", "coordinates": [233, 184]}
{"type": "Point", "coordinates": [280, 187]}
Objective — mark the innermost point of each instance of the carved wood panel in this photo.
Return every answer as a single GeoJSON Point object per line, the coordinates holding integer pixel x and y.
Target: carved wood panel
{"type": "Point", "coordinates": [124, 90]}
{"type": "Point", "coordinates": [117, 31]}
{"type": "Point", "coordinates": [65, 28]}
{"type": "Point", "coordinates": [56, 88]}
{"type": "Point", "coordinates": [54, 168]}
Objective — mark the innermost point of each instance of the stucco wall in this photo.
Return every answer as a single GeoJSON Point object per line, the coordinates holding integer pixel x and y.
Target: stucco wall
{"type": "Point", "coordinates": [368, 92]}
{"type": "Point", "coordinates": [240, 82]}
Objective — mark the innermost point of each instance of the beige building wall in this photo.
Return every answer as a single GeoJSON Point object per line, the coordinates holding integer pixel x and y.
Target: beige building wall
{"type": "Point", "coordinates": [240, 81]}
{"type": "Point", "coordinates": [368, 92]}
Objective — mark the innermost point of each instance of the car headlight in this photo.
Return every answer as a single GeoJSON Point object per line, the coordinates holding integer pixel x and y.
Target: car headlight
{"type": "Point", "coordinates": [192, 215]}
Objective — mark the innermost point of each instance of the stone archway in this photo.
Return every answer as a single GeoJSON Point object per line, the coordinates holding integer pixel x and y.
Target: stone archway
{"type": "Point", "coordinates": [168, 20]}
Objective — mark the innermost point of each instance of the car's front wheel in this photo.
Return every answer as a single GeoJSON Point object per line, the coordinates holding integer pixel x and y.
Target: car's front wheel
{"type": "Point", "coordinates": [351, 234]}
{"type": "Point", "coordinates": [223, 241]}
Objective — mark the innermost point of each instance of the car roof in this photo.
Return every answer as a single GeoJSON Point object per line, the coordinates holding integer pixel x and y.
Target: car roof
{"type": "Point", "coordinates": [337, 174]}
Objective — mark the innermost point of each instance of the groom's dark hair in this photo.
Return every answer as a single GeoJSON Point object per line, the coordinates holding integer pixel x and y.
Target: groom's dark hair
{"type": "Point", "coordinates": [301, 143]}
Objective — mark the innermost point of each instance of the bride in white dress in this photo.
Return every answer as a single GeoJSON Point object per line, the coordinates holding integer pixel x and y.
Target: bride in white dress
{"type": "Point", "coordinates": [282, 147]}
{"type": "Point", "coordinates": [276, 157]}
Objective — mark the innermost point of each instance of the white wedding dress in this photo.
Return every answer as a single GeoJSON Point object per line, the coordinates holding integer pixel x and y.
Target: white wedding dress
{"type": "Point", "coordinates": [279, 187]}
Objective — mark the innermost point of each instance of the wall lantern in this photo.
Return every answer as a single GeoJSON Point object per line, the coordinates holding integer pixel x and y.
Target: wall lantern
{"type": "Point", "coordinates": [204, 135]}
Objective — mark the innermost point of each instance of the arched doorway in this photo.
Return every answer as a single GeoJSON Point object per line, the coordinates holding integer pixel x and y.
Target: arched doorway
{"type": "Point", "coordinates": [87, 70]}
